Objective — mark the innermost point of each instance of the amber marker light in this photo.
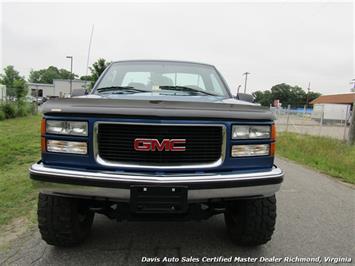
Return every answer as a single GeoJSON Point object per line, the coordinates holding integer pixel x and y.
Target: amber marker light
{"type": "Point", "coordinates": [273, 132]}
{"type": "Point", "coordinates": [273, 138]}
{"type": "Point", "coordinates": [272, 149]}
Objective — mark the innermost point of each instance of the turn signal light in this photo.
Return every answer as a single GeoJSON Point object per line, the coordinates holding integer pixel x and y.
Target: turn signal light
{"type": "Point", "coordinates": [250, 150]}
{"type": "Point", "coordinates": [75, 147]}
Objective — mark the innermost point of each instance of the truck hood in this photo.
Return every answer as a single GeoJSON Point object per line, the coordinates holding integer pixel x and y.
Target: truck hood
{"type": "Point", "coordinates": [158, 106]}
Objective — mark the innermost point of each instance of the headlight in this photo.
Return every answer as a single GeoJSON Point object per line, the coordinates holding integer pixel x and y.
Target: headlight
{"type": "Point", "coordinates": [250, 150]}
{"type": "Point", "coordinates": [75, 147]}
{"type": "Point", "coordinates": [76, 128]}
{"type": "Point", "coordinates": [251, 132]}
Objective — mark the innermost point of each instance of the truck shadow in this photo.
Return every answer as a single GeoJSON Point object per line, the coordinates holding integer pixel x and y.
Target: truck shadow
{"type": "Point", "coordinates": [131, 243]}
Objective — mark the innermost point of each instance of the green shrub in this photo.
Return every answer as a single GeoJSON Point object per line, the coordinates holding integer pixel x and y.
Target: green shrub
{"type": "Point", "coordinates": [33, 109]}
{"type": "Point", "coordinates": [22, 110]}
{"type": "Point", "coordinates": [9, 109]}
{"type": "Point", "coordinates": [2, 115]}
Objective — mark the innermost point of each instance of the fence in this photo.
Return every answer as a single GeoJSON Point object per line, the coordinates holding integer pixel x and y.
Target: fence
{"type": "Point", "coordinates": [324, 120]}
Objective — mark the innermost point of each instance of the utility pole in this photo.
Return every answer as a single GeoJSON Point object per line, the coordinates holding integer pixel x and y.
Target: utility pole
{"type": "Point", "coordinates": [71, 72]}
{"type": "Point", "coordinates": [308, 90]}
{"type": "Point", "coordinates": [245, 83]}
{"type": "Point", "coordinates": [352, 127]}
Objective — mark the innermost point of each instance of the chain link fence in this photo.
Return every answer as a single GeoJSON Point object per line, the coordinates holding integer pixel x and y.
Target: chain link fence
{"type": "Point", "coordinates": [330, 120]}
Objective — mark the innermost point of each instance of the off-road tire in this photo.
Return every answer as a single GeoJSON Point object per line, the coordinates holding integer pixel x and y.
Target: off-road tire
{"type": "Point", "coordinates": [63, 221]}
{"type": "Point", "coordinates": [251, 222]}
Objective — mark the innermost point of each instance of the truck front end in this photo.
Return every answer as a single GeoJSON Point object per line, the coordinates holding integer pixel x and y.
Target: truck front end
{"type": "Point", "coordinates": [156, 140]}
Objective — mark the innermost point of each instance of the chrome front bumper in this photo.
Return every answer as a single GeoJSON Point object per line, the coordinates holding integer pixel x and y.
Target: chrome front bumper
{"type": "Point", "coordinates": [116, 185]}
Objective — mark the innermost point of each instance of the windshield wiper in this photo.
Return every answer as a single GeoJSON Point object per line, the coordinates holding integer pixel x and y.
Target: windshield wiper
{"type": "Point", "coordinates": [120, 89]}
{"type": "Point", "coordinates": [186, 89]}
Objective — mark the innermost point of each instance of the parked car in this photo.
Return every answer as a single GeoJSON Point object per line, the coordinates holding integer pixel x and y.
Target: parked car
{"type": "Point", "coordinates": [38, 100]}
{"type": "Point", "coordinates": [157, 140]}
{"type": "Point", "coordinates": [30, 99]}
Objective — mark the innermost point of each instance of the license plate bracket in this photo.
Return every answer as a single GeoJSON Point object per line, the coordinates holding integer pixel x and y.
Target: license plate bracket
{"type": "Point", "coordinates": [158, 199]}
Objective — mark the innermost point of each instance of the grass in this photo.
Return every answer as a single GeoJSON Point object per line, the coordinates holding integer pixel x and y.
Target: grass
{"type": "Point", "coordinates": [19, 147]}
{"type": "Point", "coordinates": [330, 156]}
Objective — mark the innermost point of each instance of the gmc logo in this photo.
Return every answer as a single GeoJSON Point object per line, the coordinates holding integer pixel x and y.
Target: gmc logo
{"type": "Point", "coordinates": [155, 145]}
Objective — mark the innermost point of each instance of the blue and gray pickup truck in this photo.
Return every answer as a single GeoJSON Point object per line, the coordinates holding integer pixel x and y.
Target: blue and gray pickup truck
{"type": "Point", "coordinates": [156, 140]}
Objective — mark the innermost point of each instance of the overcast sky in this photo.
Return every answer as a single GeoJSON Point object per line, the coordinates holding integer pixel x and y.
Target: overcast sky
{"type": "Point", "coordinates": [276, 42]}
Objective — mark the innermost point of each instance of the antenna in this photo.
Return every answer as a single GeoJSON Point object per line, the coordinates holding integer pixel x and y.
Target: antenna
{"type": "Point", "coordinates": [246, 78]}
{"type": "Point", "coordinates": [88, 59]}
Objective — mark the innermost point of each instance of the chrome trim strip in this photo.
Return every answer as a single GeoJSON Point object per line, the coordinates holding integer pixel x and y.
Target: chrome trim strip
{"type": "Point", "coordinates": [124, 194]}
{"type": "Point", "coordinates": [101, 161]}
{"type": "Point", "coordinates": [40, 169]}
{"type": "Point", "coordinates": [265, 191]}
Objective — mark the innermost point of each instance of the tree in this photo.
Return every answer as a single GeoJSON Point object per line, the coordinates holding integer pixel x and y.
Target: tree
{"type": "Point", "coordinates": [16, 86]}
{"type": "Point", "coordinates": [96, 70]}
{"type": "Point", "coordinates": [286, 94]}
{"type": "Point", "coordinates": [312, 96]}
{"type": "Point", "coordinates": [263, 97]}
{"type": "Point", "coordinates": [21, 88]}
{"type": "Point", "coordinates": [9, 76]}
{"type": "Point", "coordinates": [48, 75]}
{"type": "Point", "coordinates": [87, 78]}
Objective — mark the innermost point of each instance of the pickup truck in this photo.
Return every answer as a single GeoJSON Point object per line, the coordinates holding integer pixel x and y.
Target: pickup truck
{"type": "Point", "coordinates": [156, 141]}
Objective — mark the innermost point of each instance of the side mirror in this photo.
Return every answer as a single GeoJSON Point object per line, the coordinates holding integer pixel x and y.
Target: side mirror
{"type": "Point", "coordinates": [78, 92]}
{"type": "Point", "coordinates": [245, 97]}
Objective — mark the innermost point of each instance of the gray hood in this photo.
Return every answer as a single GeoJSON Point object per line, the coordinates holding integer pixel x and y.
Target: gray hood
{"type": "Point", "coordinates": [158, 106]}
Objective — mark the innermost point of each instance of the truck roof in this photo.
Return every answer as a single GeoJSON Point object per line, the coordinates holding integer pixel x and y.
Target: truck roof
{"type": "Point", "coordinates": [163, 61]}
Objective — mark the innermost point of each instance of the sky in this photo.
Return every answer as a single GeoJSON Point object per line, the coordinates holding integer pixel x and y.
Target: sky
{"type": "Point", "coordinates": [294, 43]}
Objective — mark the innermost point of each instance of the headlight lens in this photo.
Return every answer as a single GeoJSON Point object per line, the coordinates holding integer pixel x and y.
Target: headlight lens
{"type": "Point", "coordinates": [76, 128]}
{"type": "Point", "coordinates": [250, 150]}
{"type": "Point", "coordinates": [251, 132]}
{"type": "Point", "coordinates": [75, 147]}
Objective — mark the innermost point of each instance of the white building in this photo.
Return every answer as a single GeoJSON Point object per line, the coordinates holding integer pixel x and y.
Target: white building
{"type": "Point", "coordinates": [334, 107]}
{"type": "Point", "coordinates": [43, 90]}
{"type": "Point", "coordinates": [59, 88]}
{"type": "Point", "coordinates": [2, 92]}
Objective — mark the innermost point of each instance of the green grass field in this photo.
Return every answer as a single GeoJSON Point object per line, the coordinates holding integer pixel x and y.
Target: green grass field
{"type": "Point", "coordinates": [19, 147]}
{"type": "Point", "coordinates": [330, 156]}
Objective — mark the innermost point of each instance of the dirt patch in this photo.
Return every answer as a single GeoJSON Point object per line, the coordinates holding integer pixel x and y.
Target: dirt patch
{"type": "Point", "coordinates": [13, 231]}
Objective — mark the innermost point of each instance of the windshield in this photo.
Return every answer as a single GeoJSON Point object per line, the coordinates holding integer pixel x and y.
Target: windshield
{"type": "Point", "coordinates": [170, 78]}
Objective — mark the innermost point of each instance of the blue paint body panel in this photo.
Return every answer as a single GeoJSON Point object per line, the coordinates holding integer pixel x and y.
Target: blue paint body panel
{"type": "Point", "coordinates": [247, 164]}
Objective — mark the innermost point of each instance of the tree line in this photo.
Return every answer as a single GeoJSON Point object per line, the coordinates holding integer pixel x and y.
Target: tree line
{"type": "Point", "coordinates": [17, 86]}
{"type": "Point", "coordinates": [294, 96]}
{"type": "Point", "coordinates": [49, 74]}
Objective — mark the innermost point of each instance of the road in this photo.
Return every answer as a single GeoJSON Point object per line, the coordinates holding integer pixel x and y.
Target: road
{"type": "Point", "coordinates": [315, 218]}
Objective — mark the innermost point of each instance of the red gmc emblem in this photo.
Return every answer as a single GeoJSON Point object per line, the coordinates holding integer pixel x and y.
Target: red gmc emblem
{"type": "Point", "coordinates": [164, 145]}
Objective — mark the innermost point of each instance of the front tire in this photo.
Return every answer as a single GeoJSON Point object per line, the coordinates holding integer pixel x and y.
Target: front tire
{"type": "Point", "coordinates": [63, 221]}
{"type": "Point", "coordinates": [251, 222]}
